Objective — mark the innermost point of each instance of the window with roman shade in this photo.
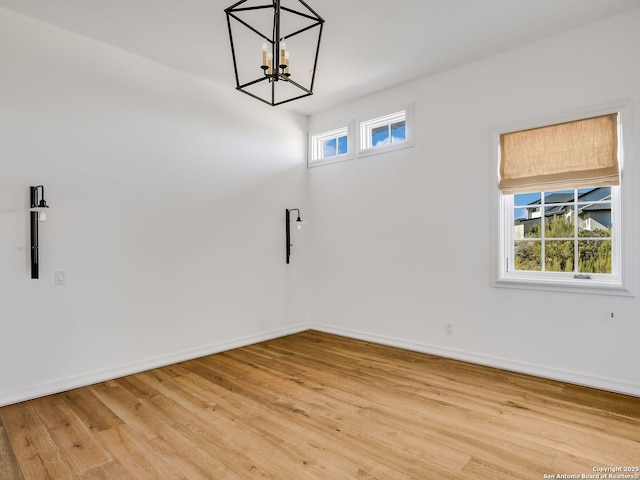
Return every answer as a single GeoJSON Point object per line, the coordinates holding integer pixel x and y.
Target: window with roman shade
{"type": "Point", "coordinates": [560, 190]}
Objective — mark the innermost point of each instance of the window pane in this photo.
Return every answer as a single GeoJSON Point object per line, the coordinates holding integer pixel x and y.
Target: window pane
{"type": "Point", "coordinates": [527, 205]}
{"type": "Point", "coordinates": [523, 199]}
{"type": "Point", "coordinates": [329, 148]}
{"type": "Point", "coordinates": [398, 132]}
{"type": "Point", "coordinates": [559, 256]}
{"type": "Point", "coordinates": [594, 256]}
{"type": "Point", "coordinates": [380, 136]}
{"type": "Point", "coordinates": [560, 225]}
{"type": "Point", "coordinates": [595, 221]}
{"type": "Point", "coordinates": [342, 145]}
{"type": "Point", "coordinates": [528, 255]}
{"type": "Point", "coordinates": [525, 228]}
{"type": "Point", "coordinates": [594, 194]}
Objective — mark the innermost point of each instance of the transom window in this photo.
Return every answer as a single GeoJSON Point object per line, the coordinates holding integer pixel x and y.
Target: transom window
{"type": "Point", "coordinates": [376, 136]}
{"type": "Point", "coordinates": [330, 146]}
{"type": "Point", "coordinates": [383, 131]}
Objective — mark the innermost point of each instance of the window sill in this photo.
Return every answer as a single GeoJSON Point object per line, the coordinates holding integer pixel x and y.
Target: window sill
{"type": "Point", "coordinates": [384, 149]}
{"type": "Point", "coordinates": [593, 287]}
{"type": "Point", "coordinates": [327, 161]}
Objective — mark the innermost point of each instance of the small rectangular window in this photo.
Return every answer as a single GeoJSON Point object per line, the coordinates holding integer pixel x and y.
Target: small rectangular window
{"type": "Point", "coordinates": [385, 133]}
{"type": "Point", "coordinates": [382, 131]}
{"type": "Point", "coordinates": [329, 147]}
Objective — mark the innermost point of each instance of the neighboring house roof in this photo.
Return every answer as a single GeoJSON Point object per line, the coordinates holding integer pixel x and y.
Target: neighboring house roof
{"type": "Point", "coordinates": [593, 195]}
{"type": "Point", "coordinates": [600, 193]}
{"type": "Point", "coordinates": [597, 207]}
{"type": "Point", "coordinates": [555, 198]}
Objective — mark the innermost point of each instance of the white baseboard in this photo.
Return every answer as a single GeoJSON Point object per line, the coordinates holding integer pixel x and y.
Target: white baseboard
{"type": "Point", "coordinates": [19, 395]}
{"type": "Point", "coordinates": [62, 385]}
{"type": "Point", "coordinates": [489, 361]}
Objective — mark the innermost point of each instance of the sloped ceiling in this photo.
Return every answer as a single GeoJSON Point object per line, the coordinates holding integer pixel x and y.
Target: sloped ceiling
{"type": "Point", "coordinates": [367, 45]}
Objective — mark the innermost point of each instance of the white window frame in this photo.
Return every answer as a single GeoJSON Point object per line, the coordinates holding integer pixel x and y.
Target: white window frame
{"type": "Point", "coordinates": [621, 281]}
{"type": "Point", "coordinates": [366, 127]}
{"type": "Point", "coordinates": [315, 154]}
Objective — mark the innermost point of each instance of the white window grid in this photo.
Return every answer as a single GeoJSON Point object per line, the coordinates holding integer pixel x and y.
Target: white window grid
{"type": "Point", "coordinates": [509, 239]}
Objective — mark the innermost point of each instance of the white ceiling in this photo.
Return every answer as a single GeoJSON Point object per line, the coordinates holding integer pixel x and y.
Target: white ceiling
{"type": "Point", "coordinates": [367, 45]}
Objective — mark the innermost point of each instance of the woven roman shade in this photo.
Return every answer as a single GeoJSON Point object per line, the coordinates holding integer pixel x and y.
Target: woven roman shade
{"type": "Point", "coordinates": [582, 153]}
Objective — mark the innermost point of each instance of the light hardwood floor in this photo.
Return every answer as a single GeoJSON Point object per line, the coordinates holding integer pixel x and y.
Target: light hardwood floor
{"type": "Point", "coordinates": [317, 406]}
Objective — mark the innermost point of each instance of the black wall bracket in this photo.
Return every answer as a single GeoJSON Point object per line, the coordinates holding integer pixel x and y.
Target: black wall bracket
{"type": "Point", "coordinates": [36, 215]}
{"type": "Point", "coordinates": [287, 223]}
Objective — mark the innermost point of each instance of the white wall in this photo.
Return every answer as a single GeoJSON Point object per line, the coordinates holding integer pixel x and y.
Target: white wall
{"type": "Point", "coordinates": [167, 197]}
{"type": "Point", "coordinates": [167, 203]}
{"type": "Point", "coordinates": [402, 242]}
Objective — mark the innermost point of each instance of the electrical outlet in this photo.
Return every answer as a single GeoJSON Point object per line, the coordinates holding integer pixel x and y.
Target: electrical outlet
{"type": "Point", "coordinates": [448, 328]}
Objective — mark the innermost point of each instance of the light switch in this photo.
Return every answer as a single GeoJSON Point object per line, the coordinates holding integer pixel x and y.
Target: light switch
{"type": "Point", "coordinates": [60, 277]}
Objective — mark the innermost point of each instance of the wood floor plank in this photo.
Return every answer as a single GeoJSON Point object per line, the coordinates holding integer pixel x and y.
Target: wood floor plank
{"type": "Point", "coordinates": [70, 434]}
{"type": "Point", "coordinates": [96, 416]}
{"type": "Point", "coordinates": [108, 471]}
{"type": "Point", "coordinates": [36, 452]}
{"type": "Point", "coordinates": [136, 456]}
{"type": "Point", "coordinates": [9, 468]}
{"type": "Point", "coordinates": [315, 406]}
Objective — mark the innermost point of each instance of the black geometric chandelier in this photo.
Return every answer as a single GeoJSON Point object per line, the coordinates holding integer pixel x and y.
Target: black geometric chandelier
{"type": "Point", "coordinates": [287, 33]}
